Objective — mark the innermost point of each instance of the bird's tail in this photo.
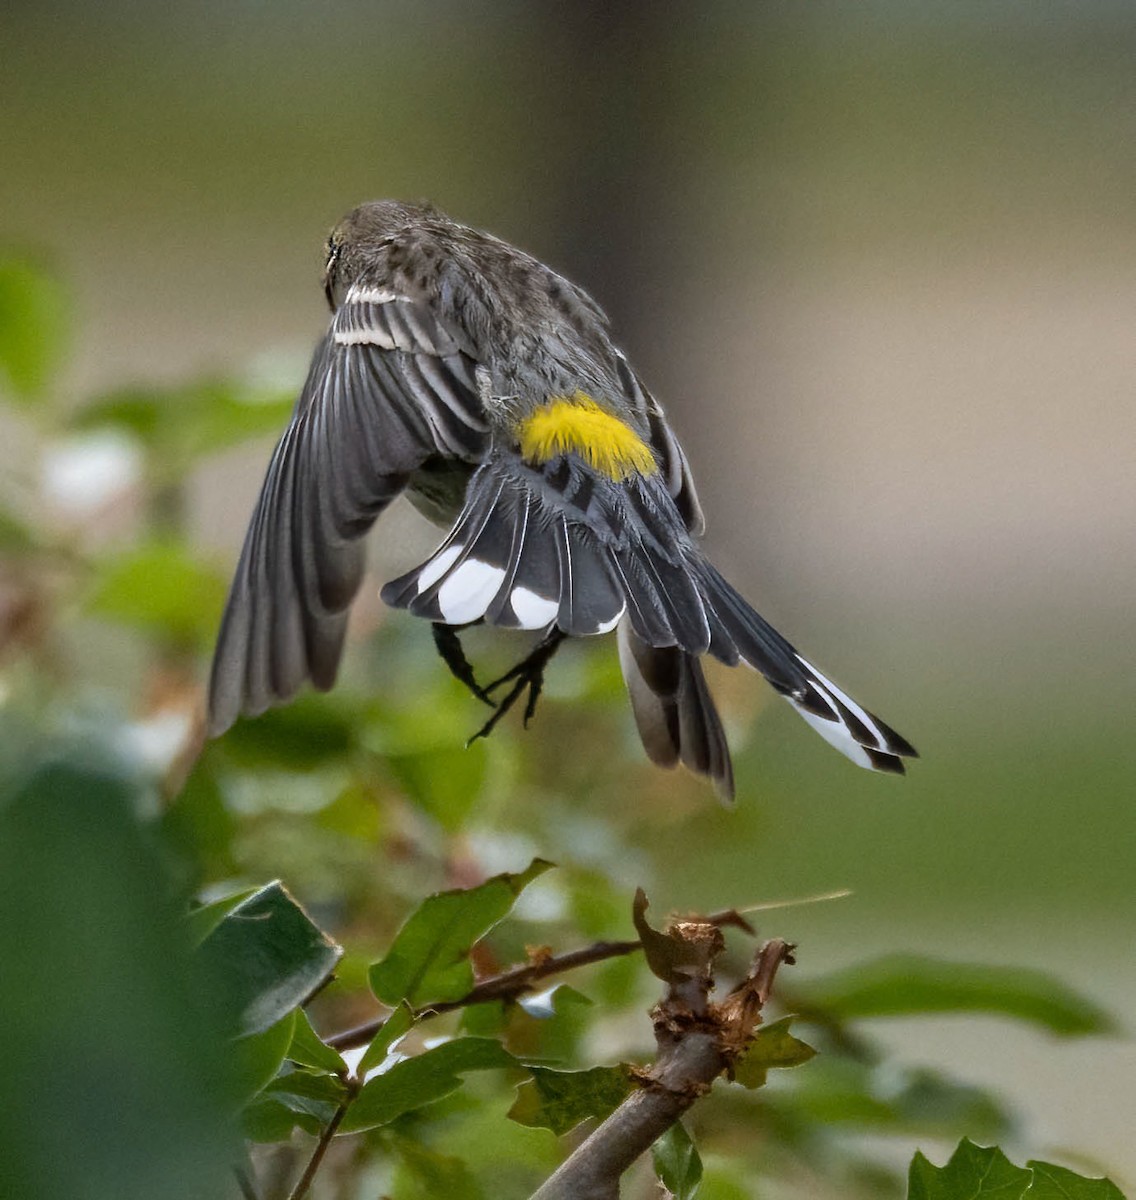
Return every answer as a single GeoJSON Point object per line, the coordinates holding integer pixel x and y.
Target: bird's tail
{"type": "Point", "coordinates": [742, 632]}
{"type": "Point", "coordinates": [674, 711]}
{"type": "Point", "coordinates": [516, 559]}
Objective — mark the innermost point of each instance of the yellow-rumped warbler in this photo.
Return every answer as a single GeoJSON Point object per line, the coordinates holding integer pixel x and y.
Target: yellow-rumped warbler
{"type": "Point", "coordinates": [470, 376]}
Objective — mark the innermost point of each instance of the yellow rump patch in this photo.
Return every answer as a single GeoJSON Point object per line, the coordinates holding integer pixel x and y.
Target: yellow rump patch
{"type": "Point", "coordinates": [577, 424]}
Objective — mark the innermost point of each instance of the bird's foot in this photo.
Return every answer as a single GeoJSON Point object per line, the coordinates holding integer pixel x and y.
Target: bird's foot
{"type": "Point", "coordinates": [528, 673]}
{"type": "Point", "coordinates": [449, 646]}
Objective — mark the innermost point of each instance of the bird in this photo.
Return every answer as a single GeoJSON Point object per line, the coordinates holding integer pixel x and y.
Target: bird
{"type": "Point", "coordinates": [467, 375]}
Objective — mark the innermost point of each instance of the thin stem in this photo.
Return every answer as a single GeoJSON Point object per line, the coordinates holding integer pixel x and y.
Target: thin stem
{"type": "Point", "coordinates": [305, 1180]}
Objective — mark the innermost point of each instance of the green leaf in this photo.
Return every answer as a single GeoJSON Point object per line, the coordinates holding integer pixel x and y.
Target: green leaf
{"type": "Point", "coordinates": [428, 1175]}
{"type": "Point", "coordinates": [772, 1046]}
{"type": "Point", "coordinates": [421, 1080]}
{"type": "Point", "coordinates": [272, 1119]}
{"type": "Point", "coordinates": [267, 957]}
{"type": "Point", "coordinates": [394, 1027]}
{"type": "Point", "coordinates": [973, 1173]}
{"type": "Point", "coordinates": [985, 1173]}
{"type": "Point", "coordinates": [268, 1119]}
{"type": "Point", "coordinates": [200, 827]}
{"type": "Point", "coordinates": [489, 1019]}
{"type": "Point", "coordinates": [923, 1098]}
{"type": "Point", "coordinates": [677, 1163]}
{"type": "Point", "coordinates": [33, 326]}
{"type": "Point", "coordinates": [1051, 1182]}
{"type": "Point", "coordinates": [16, 536]}
{"type": "Point", "coordinates": [115, 1083]}
{"type": "Point", "coordinates": [180, 424]}
{"type": "Point", "coordinates": [159, 587]}
{"type": "Point", "coordinates": [902, 985]}
{"type": "Point", "coordinates": [255, 1059]}
{"type": "Point", "coordinates": [560, 1100]}
{"type": "Point", "coordinates": [309, 1050]}
{"type": "Point", "coordinates": [310, 1085]}
{"type": "Point", "coordinates": [721, 1183]}
{"type": "Point", "coordinates": [310, 732]}
{"type": "Point", "coordinates": [203, 919]}
{"type": "Point", "coordinates": [838, 1090]}
{"type": "Point", "coordinates": [444, 781]}
{"type": "Point", "coordinates": [306, 1099]}
{"type": "Point", "coordinates": [429, 959]}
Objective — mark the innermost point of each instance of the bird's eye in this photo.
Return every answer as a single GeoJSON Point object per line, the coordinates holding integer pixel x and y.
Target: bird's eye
{"type": "Point", "coordinates": [333, 251]}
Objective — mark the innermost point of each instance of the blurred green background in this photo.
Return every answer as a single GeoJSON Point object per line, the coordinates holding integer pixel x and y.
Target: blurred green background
{"type": "Point", "coordinates": [879, 262]}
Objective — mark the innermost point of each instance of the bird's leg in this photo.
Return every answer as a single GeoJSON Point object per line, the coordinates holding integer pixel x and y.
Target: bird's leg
{"type": "Point", "coordinates": [528, 673]}
{"type": "Point", "coordinates": [453, 655]}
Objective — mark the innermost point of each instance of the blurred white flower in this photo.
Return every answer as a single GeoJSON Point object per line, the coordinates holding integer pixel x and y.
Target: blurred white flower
{"type": "Point", "coordinates": [155, 743]}
{"type": "Point", "coordinates": [83, 478]}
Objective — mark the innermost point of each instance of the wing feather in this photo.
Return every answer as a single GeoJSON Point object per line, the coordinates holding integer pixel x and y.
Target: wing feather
{"type": "Point", "coordinates": [388, 388]}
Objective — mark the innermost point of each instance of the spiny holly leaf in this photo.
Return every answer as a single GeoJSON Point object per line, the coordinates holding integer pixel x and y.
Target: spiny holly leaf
{"type": "Point", "coordinates": [772, 1046]}
{"type": "Point", "coordinates": [1059, 1183]}
{"type": "Point", "coordinates": [420, 1080]}
{"type": "Point", "coordinates": [560, 1100]}
{"type": "Point", "coordinates": [677, 1163]}
{"type": "Point", "coordinates": [429, 960]}
{"type": "Point", "coordinates": [985, 1173]}
{"type": "Point", "coordinates": [901, 985]}
{"type": "Point", "coordinates": [973, 1173]}
{"type": "Point", "coordinates": [394, 1027]}
{"type": "Point", "coordinates": [267, 957]}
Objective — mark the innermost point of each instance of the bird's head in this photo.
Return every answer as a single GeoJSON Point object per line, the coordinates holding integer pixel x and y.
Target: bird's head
{"type": "Point", "coordinates": [353, 242]}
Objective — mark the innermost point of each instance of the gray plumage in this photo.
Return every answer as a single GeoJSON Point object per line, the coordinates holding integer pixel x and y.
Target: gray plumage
{"type": "Point", "coordinates": [444, 342]}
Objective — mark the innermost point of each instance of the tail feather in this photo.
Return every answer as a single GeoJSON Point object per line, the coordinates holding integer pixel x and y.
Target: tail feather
{"type": "Point", "coordinates": [674, 711]}
{"type": "Point", "coordinates": [509, 562]}
{"type": "Point", "coordinates": [673, 595]}
{"type": "Point", "coordinates": [590, 601]}
{"type": "Point", "coordinates": [513, 559]}
{"type": "Point", "coordinates": [855, 732]}
{"type": "Point", "coordinates": [844, 724]}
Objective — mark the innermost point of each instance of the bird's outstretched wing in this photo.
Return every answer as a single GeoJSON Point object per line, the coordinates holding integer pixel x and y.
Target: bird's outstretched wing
{"type": "Point", "coordinates": [390, 386]}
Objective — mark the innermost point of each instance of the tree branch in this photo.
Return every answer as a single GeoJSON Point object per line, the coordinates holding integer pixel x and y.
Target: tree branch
{"type": "Point", "coordinates": [506, 986]}
{"type": "Point", "coordinates": [513, 983]}
{"type": "Point", "coordinates": [696, 1042]}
